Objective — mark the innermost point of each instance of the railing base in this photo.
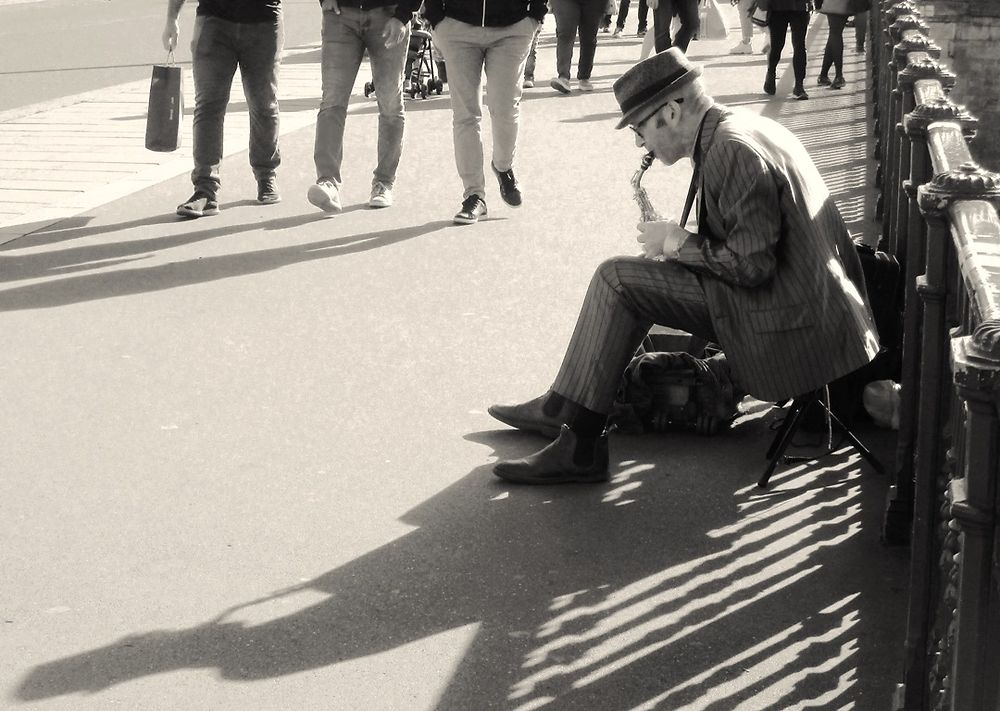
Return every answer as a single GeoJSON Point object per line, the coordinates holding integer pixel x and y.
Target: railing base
{"type": "Point", "coordinates": [898, 519]}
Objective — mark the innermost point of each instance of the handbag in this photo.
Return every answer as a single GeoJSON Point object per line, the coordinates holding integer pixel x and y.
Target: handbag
{"type": "Point", "coordinates": [713, 24]}
{"type": "Point", "coordinates": [166, 107]}
{"type": "Point", "coordinates": [758, 15]}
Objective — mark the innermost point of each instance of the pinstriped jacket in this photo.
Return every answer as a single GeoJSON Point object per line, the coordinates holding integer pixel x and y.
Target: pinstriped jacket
{"type": "Point", "coordinates": [786, 292]}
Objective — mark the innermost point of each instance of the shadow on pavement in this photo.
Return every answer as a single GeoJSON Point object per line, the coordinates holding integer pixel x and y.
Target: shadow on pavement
{"type": "Point", "coordinates": [677, 583]}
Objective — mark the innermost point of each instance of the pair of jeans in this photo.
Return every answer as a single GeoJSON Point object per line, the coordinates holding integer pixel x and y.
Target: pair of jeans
{"type": "Point", "coordinates": [502, 52]}
{"type": "Point", "coordinates": [218, 47]}
{"type": "Point", "coordinates": [663, 15]}
{"type": "Point", "coordinates": [778, 22]}
{"type": "Point", "coordinates": [833, 53]}
{"type": "Point", "coordinates": [643, 13]}
{"type": "Point", "coordinates": [346, 37]}
{"type": "Point", "coordinates": [574, 17]}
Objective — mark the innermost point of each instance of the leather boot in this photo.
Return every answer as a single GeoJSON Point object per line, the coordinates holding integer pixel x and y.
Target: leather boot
{"type": "Point", "coordinates": [530, 417]}
{"type": "Point", "coordinates": [555, 463]}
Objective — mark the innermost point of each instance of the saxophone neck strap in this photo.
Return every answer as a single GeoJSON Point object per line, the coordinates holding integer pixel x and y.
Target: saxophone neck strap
{"type": "Point", "coordinates": [718, 113]}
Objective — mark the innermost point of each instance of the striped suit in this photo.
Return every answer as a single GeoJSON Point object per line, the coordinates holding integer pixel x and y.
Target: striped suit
{"type": "Point", "coordinates": [772, 276]}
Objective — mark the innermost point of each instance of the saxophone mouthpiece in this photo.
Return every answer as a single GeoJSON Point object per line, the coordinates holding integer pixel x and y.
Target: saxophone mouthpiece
{"type": "Point", "coordinates": [647, 160]}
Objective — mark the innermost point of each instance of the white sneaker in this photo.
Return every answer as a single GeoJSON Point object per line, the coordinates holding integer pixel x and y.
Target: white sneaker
{"type": "Point", "coordinates": [325, 196]}
{"type": "Point", "coordinates": [617, 32]}
{"type": "Point", "coordinates": [528, 83]}
{"type": "Point", "coordinates": [586, 85]}
{"type": "Point", "coordinates": [742, 48]}
{"type": "Point", "coordinates": [381, 195]}
{"type": "Point", "coordinates": [561, 85]}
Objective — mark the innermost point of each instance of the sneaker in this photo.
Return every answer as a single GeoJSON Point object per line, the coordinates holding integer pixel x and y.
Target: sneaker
{"type": "Point", "coordinates": [199, 205]}
{"type": "Point", "coordinates": [325, 196]}
{"type": "Point", "coordinates": [509, 190]}
{"type": "Point", "coordinates": [799, 93]}
{"type": "Point", "coordinates": [586, 85]}
{"type": "Point", "coordinates": [742, 48]}
{"type": "Point", "coordinates": [381, 195]}
{"type": "Point", "coordinates": [823, 81]}
{"type": "Point", "coordinates": [617, 32]}
{"type": "Point", "coordinates": [561, 85]}
{"type": "Point", "coordinates": [473, 207]}
{"type": "Point", "coordinates": [769, 84]}
{"type": "Point", "coordinates": [641, 32]}
{"type": "Point", "coordinates": [528, 83]}
{"type": "Point", "coordinates": [267, 191]}
{"type": "Point", "coordinates": [838, 83]}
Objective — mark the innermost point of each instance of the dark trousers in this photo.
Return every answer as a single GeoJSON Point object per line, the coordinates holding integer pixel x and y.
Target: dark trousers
{"type": "Point", "coordinates": [218, 47]}
{"type": "Point", "coordinates": [642, 12]}
{"type": "Point", "coordinates": [833, 55]}
{"type": "Point", "coordinates": [778, 23]}
{"type": "Point", "coordinates": [574, 17]}
{"type": "Point", "coordinates": [687, 12]}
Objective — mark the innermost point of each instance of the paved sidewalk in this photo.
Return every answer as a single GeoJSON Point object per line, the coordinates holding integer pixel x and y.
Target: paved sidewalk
{"type": "Point", "coordinates": [247, 463]}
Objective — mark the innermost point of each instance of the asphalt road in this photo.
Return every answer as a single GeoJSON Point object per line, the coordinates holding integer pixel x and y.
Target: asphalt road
{"type": "Point", "coordinates": [51, 49]}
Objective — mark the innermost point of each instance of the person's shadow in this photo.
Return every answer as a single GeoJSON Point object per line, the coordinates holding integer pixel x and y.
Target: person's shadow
{"type": "Point", "coordinates": [588, 594]}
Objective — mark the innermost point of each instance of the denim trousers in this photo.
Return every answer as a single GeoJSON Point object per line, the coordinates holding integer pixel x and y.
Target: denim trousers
{"type": "Point", "coordinates": [663, 15]}
{"type": "Point", "coordinates": [218, 47]}
{"type": "Point", "coordinates": [502, 52]}
{"type": "Point", "coordinates": [572, 17]}
{"type": "Point", "coordinates": [346, 37]}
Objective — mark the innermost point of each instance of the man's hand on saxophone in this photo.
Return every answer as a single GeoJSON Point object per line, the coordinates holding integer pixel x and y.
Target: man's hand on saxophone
{"type": "Point", "coordinates": [661, 239]}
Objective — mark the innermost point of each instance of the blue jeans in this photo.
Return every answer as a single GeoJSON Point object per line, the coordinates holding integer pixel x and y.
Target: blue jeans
{"type": "Point", "coordinates": [218, 47]}
{"type": "Point", "coordinates": [345, 38]}
{"type": "Point", "coordinates": [502, 52]}
{"type": "Point", "coordinates": [574, 17]}
{"type": "Point", "coordinates": [663, 15]}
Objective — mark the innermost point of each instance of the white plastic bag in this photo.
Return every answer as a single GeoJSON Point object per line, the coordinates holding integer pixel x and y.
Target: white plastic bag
{"type": "Point", "coordinates": [713, 24]}
{"type": "Point", "coordinates": [881, 401]}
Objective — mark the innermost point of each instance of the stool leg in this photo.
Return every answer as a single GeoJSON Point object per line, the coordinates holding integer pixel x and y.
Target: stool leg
{"type": "Point", "coordinates": [780, 444]}
{"type": "Point", "coordinates": [862, 449]}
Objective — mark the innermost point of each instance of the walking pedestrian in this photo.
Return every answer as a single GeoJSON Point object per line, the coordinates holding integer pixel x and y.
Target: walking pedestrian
{"type": "Point", "coordinates": [642, 12]}
{"type": "Point", "coordinates": [664, 12]}
{"type": "Point", "coordinates": [494, 35]}
{"type": "Point", "coordinates": [837, 14]}
{"type": "Point", "coordinates": [350, 28]}
{"type": "Point", "coordinates": [248, 35]}
{"type": "Point", "coordinates": [575, 18]}
{"type": "Point", "coordinates": [782, 16]}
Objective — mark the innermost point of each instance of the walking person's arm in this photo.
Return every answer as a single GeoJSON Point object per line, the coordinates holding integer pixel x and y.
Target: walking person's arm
{"type": "Point", "coordinates": [172, 29]}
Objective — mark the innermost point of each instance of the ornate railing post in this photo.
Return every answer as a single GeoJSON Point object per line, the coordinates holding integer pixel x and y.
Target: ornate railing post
{"type": "Point", "coordinates": [899, 509]}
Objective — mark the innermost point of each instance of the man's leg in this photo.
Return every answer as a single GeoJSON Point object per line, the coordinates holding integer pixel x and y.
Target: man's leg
{"type": "Point", "coordinates": [504, 65]}
{"type": "Point", "coordinates": [860, 28]}
{"type": "Point", "coordinates": [622, 16]}
{"type": "Point", "coordinates": [340, 59]}
{"type": "Point", "coordinates": [663, 15]}
{"type": "Point", "coordinates": [567, 14]}
{"type": "Point", "coordinates": [214, 63]}
{"type": "Point", "coordinates": [463, 48]}
{"type": "Point", "coordinates": [590, 16]}
{"type": "Point", "coordinates": [387, 72]}
{"type": "Point", "coordinates": [687, 13]}
{"type": "Point", "coordinates": [260, 60]}
{"type": "Point", "coordinates": [643, 15]}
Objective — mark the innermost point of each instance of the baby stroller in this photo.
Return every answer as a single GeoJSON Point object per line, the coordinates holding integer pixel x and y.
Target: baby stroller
{"type": "Point", "coordinates": [423, 74]}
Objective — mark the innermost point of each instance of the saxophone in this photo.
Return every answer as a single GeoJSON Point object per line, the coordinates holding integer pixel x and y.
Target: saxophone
{"type": "Point", "coordinates": [646, 210]}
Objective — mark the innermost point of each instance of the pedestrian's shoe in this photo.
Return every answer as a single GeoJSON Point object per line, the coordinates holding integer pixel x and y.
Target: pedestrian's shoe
{"type": "Point", "coordinates": [769, 84]}
{"type": "Point", "coordinates": [325, 196]}
{"type": "Point", "coordinates": [473, 207]}
{"type": "Point", "coordinates": [838, 83]}
{"type": "Point", "coordinates": [529, 416]}
{"type": "Point", "coordinates": [381, 195]}
{"type": "Point", "coordinates": [823, 80]}
{"type": "Point", "coordinates": [200, 204]}
{"type": "Point", "coordinates": [561, 84]}
{"type": "Point", "coordinates": [586, 85]}
{"type": "Point", "coordinates": [509, 190]}
{"type": "Point", "coordinates": [766, 49]}
{"type": "Point", "coordinates": [528, 83]}
{"type": "Point", "coordinates": [799, 93]}
{"type": "Point", "coordinates": [267, 191]}
{"type": "Point", "coordinates": [617, 32]}
{"type": "Point", "coordinates": [641, 32]}
{"type": "Point", "coordinates": [567, 460]}
{"type": "Point", "coordinates": [742, 48]}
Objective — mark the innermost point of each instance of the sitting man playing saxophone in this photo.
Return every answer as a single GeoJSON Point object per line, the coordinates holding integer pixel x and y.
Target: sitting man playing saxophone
{"type": "Point", "coordinates": [770, 274]}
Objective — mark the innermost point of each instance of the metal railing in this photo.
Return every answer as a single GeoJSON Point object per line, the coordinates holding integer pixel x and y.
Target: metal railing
{"type": "Point", "coordinates": [939, 213]}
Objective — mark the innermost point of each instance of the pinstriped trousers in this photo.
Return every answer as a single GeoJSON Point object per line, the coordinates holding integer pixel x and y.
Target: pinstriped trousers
{"type": "Point", "coordinates": [627, 295]}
